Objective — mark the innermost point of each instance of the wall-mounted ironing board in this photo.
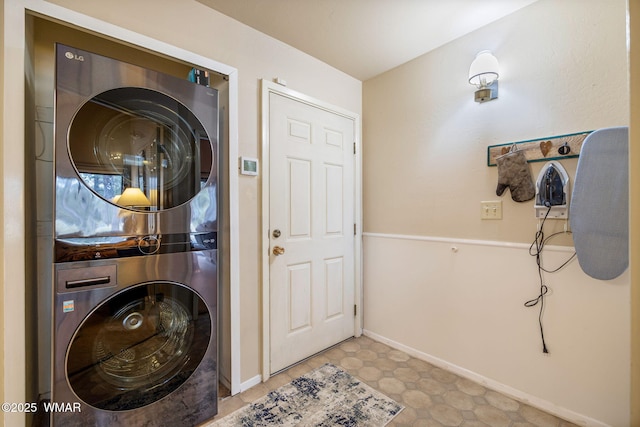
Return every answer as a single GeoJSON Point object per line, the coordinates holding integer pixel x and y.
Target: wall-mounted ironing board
{"type": "Point", "coordinates": [599, 213]}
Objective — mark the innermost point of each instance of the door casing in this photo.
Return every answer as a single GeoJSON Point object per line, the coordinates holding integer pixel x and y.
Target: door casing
{"type": "Point", "coordinates": [268, 88]}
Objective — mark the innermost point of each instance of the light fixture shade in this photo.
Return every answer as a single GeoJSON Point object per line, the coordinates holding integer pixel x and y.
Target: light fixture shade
{"type": "Point", "coordinates": [484, 69]}
{"type": "Point", "coordinates": [133, 196]}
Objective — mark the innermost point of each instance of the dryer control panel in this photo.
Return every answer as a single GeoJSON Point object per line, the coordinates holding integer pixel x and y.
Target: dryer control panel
{"type": "Point", "coordinates": [92, 248]}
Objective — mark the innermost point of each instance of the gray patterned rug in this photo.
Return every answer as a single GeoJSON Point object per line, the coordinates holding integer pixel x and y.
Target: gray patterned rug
{"type": "Point", "coordinates": [325, 397]}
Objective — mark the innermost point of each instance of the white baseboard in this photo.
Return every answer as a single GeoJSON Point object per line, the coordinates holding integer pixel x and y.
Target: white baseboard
{"type": "Point", "coordinates": [518, 395]}
{"type": "Point", "coordinates": [251, 382]}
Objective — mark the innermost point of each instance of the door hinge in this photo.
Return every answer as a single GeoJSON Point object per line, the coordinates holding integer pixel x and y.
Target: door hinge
{"type": "Point", "coordinates": [354, 148]}
{"type": "Point", "coordinates": [354, 229]}
{"type": "Point", "coordinates": [355, 310]}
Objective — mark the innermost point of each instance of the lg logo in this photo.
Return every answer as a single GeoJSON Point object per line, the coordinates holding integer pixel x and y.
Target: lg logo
{"type": "Point", "coordinates": [71, 55]}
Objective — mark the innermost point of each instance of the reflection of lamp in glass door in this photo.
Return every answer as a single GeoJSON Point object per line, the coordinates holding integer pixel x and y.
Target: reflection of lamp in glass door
{"type": "Point", "coordinates": [133, 197]}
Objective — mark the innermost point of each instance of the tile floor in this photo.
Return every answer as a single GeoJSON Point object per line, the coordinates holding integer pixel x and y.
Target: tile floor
{"type": "Point", "coordinates": [431, 396]}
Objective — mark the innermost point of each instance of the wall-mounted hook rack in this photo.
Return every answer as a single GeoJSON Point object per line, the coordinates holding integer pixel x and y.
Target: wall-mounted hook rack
{"type": "Point", "coordinates": [541, 149]}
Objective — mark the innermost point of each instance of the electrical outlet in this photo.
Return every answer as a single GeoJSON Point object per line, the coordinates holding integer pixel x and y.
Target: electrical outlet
{"type": "Point", "coordinates": [491, 209]}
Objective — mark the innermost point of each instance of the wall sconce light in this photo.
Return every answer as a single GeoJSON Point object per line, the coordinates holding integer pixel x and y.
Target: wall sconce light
{"type": "Point", "coordinates": [484, 73]}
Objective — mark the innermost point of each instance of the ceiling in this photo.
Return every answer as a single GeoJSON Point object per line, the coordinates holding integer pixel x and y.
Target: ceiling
{"type": "Point", "coordinates": [364, 38]}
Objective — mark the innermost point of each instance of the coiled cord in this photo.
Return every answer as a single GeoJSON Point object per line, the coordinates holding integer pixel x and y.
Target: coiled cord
{"type": "Point", "coordinates": [539, 242]}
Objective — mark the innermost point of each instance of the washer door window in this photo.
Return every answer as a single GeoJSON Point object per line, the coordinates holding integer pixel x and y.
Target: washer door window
{"type": "Point", "coordinates": [140, 149]}
{"type": "Point", "coordinates": [138, 346]}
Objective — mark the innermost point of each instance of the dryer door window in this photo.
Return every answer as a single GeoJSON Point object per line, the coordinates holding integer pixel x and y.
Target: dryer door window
{"type": "Point", "coordinates": [138, 346]}
{"type": "Point", "coordinates": [140, 149]}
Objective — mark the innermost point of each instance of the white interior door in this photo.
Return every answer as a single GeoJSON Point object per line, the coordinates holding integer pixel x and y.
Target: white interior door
{"type": "Point", "coordinates": [311, 214]}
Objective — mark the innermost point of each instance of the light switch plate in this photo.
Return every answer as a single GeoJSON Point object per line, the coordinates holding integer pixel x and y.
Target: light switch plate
{"type": "Point", "coordinates": [491, 209]}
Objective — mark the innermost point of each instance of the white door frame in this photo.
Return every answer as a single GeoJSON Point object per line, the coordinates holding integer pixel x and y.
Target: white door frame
{"type": "Point", "coordinates": [267, 89]}
{"type": "Point", "coordinates": [14, 36]}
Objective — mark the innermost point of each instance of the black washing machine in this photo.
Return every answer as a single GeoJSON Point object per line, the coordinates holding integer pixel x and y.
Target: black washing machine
{"type": "Point", "coordinates": [135, 246]}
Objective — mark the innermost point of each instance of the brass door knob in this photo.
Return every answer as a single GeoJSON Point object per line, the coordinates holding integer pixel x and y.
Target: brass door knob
{"type": "Point", "coordinates": [278, 250]}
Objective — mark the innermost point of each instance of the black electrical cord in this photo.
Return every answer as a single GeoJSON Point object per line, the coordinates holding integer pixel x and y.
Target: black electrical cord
{"type": "Point", "coordinates": [539, 242]}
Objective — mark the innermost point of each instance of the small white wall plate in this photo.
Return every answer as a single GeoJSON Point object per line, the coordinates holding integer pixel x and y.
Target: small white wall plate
{"type": "Point", "coordinates": [248, 166]}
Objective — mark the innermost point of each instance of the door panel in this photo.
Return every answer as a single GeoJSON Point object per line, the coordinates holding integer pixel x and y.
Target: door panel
{"type": "Point", "coordinates": [333, 203]}
{"type": "Point", "coordinates": [299, 198]}
{"type": "Point", "coordinates": [334, 283]}
{"type": "Point", "coordinates": [299, 297]}
{"type": "Point", "coordinates": [312, 201]}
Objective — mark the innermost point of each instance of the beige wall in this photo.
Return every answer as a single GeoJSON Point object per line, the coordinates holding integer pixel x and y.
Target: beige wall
{"type": "Point", "coordinates": [424, 133]}
{"type": "Point", "coordinates": [12, 209]}
{"type": "Point", "coordinates": [448, 285]}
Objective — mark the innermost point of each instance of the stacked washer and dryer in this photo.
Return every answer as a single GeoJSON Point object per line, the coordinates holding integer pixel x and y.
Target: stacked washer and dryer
{"type": "Point", "coordinates": [135, 245]}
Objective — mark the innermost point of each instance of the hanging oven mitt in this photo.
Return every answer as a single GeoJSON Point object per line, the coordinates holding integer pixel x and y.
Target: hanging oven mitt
{"type": "Point", "coordinates": [513, 172]}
